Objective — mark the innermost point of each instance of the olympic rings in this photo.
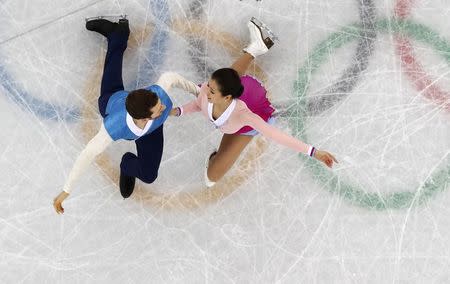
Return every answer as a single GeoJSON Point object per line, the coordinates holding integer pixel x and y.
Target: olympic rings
{"type": "Point", "coordinates": [437, 181]}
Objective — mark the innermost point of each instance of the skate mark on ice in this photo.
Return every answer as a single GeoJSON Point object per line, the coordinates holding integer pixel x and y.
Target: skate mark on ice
{"type": "Point", "coordinates": [197, 45]}
{"type": "Point", "coordinates": [352, 75]}
{"type": "Point", "coordinates": [34, 105]}
{"type": "Point", "coordinates": [150, 69]}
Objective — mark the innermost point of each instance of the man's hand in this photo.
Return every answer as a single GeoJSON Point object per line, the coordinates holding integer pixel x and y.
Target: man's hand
{"type": "Point", "coordinates": [325, 158]}
{"type": "Point", "coordinates": [176, 111]}
{"type": "Point", "coordinates": [173, 112]}
{"type": "Point", "coordinates": [57, 202]}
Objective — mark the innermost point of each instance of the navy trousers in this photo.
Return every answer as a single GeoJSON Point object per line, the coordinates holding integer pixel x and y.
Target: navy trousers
{"type": "Point", "coordinates": [149, 147]}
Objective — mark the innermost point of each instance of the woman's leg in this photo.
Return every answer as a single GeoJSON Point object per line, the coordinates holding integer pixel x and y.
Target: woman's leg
{"type": "Point", "coordinates": [230, 148]}
{"type": "Point", "coordinates": [241, 64]}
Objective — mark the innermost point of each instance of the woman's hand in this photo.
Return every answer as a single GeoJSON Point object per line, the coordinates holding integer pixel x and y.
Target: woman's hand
{"type": "Point", "coordinates": [325, 157]}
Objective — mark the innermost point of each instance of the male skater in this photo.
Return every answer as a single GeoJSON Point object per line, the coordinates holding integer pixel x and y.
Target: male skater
{"type": "Point", "coordinates": [137, 115]}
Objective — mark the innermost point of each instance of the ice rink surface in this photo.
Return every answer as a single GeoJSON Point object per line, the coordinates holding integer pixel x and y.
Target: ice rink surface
{"type": "Point", "coordinates": [366, 80]}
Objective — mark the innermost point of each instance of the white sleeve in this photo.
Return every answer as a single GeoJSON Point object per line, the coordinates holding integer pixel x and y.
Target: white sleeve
{"type": "Point", "coordinates": [169, 80]}
{"type": "Point", "coordinates": [94, 147]}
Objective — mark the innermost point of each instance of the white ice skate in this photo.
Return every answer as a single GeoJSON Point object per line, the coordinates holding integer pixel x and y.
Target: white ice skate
{"type": "Point", "coordinates": [261, 38]}
{"type": "Point", "coordinates": [112, 18]}
{"type": "Point", "coordinates": [208, 182]}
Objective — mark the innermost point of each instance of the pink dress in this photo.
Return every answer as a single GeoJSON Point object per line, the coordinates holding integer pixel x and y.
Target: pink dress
{"type": "Point", "coordinates": [255, 97]}
{"type": "Point", "coordinates": [238, 118]}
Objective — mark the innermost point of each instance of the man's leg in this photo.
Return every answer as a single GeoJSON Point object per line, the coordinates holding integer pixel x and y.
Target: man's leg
{"type": "Point", "coordinates": [117, 37]}
{"type": "Point", "coordinates": [145, 165]}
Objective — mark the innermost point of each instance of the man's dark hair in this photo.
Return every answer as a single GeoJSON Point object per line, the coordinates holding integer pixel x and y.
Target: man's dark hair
{"type": "Point", "coordinates": [139, 102]}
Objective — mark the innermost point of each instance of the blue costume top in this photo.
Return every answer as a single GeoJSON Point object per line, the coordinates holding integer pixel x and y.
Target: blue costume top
{"type": "Point", "coordinates": [116, 114]}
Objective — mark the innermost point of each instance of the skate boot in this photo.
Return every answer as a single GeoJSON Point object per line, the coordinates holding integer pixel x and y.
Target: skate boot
{"type": "Point", "coordinates": [105, 27]}
{"type": "Point", "coordinates": [209, 183]}
{"type": "Point", "coordinates": [261, 38]}
{"type": "Point", "coordinates": [126, 185]}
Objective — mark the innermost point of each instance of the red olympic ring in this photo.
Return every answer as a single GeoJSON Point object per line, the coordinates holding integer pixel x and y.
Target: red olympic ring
{"type": "Point", "coordinates": [413, 69]}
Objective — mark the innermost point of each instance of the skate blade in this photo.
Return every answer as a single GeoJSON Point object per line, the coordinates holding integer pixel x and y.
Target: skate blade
{"type": "Point", "coordinates": [107, 17]}
{"type": "Point", "coordinates": [264, 27]}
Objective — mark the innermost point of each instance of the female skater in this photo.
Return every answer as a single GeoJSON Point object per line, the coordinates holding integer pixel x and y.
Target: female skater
{"type": "Point", "coordinates": [237, 105]}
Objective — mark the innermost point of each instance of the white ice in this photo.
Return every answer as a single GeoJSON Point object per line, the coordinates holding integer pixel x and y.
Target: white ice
{"type": "Point", "coordinates": [275, 217]}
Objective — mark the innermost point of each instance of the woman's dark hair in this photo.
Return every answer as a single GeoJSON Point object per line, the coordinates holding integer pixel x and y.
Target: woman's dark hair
{"type": "Point", "coordinates": [228, 81]}
{"type": "Point", "coordinates": [139, 102]}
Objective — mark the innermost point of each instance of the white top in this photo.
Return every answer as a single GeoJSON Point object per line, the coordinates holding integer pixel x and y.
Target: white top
{"type": "Point", "coordinates": [223, 117]}
{"type": "Point", "coordinates": [102, 139]}
{"type": "Point", "coordinates": [135, 129]}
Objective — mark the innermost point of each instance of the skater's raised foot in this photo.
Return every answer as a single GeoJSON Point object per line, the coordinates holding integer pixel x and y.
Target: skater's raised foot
{"type": "Point", "coordinates": [106, 27]}
{"type": "Point", "coordinates": [208, 182]}
{"type": "Point", "coordinates": [264, 28]}
{"type": "Point", "coordinates": [261, 38]}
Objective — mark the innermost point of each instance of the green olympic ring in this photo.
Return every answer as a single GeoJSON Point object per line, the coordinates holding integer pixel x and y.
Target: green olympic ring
{"type": "Point", "coordinates": [436, 182]}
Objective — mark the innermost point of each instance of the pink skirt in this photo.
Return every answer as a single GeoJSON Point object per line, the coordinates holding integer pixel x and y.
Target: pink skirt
{"type": "Point", "coordinates": [254, 96]}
